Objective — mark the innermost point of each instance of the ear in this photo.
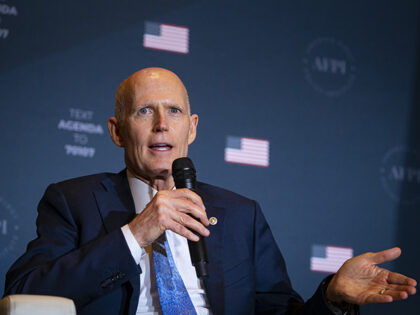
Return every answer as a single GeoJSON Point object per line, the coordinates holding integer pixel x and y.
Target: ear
{"type": "Point", "coordinates": [115, 132]}
{"type": "Point", "coordinates": [193, 128]}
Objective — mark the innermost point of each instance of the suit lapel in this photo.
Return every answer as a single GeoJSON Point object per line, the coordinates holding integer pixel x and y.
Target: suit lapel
{"type": "Point", "coordinates": [116, 207]}
{"type": "Point", "coordinates": [115, 204]}
{"type": "Point", "coordinates": [214, 242]}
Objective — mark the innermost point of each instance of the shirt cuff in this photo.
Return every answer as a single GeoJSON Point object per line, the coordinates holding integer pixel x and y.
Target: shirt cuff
{"type": "Point", "coordinates": [136, 251]}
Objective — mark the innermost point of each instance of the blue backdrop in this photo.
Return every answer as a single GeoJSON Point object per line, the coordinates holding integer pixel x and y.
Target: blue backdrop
{"type": "Point", "coordinates": [334, 86]}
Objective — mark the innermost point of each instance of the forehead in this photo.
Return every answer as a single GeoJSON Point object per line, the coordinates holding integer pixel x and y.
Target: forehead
{"type": "Point", "coordinates": [157, 88]}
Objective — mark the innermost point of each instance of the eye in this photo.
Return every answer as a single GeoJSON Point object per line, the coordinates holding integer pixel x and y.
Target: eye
{"type": "Point", "coordinates": [143, 110]}
{"type": "Point", "coordinates": [174, 110]}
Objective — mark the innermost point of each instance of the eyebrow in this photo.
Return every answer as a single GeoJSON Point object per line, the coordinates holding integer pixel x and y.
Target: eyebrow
{"type": "Point", "coordinates": [167, 104]}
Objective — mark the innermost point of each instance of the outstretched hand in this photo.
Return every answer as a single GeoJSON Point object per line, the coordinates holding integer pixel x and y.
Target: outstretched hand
{"type": "Point", "coordinates": [360, 281]}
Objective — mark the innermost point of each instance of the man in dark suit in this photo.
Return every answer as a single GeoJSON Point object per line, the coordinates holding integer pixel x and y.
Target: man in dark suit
{"type": "Point", "coordinates": [97, 234]}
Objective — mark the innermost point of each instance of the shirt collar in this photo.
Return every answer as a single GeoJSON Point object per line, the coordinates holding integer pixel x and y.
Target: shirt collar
{"type": "Point", "coordinates": [142, 193]}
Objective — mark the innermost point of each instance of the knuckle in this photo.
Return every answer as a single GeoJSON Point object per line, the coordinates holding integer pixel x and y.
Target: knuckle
{"type": "Point", "coordinates": [181, 219]}
{"type": "Point", "coordinates": [367, 255]}
{"type": "Point", "coordinates": [161, 199]}
{"type": "Point", "coordinates": [157, 203]}
{"type": "Point", "coordinates": [161, 218]}
{"type": "Point", "coordinates": [190, 221]}
{"type": "Point", "coordinates": [159, 211]}
{"type": "Point", "coordinates": [160, 195]}
{"type": "Point", "coordinates": [179, 229]}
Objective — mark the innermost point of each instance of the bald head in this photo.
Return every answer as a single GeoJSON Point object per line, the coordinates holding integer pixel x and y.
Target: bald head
{"type": "Point", "coordinates": [140, 82]}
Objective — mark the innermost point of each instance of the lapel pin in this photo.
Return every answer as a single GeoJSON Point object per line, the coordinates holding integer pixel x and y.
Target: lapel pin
{"type": "Point", "coordinates": [213, 221]}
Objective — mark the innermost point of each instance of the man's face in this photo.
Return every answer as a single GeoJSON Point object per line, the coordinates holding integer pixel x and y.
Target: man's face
{"type": "Point", "coordinates": [157, 127]}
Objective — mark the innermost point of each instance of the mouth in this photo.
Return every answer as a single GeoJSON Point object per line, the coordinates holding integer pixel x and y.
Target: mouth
{"type": "Point", "coordinates": [161, 147]}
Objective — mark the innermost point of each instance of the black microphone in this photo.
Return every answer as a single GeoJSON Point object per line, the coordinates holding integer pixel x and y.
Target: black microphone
{"type": "Point", "coordinates": [183, 172]}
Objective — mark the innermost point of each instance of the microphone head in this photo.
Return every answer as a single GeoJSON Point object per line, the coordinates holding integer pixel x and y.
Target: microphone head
{"type": "Point", "coordinates": [183, 172]}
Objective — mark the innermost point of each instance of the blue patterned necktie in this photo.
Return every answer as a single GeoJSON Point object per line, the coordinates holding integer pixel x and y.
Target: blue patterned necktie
{"type": "Point", "coordinates": [173, 296]}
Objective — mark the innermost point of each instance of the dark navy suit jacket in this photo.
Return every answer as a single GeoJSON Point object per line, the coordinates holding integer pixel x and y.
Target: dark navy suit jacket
{"type": "Point", "coordinates": [80, 253]}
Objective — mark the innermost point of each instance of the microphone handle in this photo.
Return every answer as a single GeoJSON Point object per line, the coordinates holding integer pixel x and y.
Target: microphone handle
{"type": "Point", "coordinates": [198, 253]}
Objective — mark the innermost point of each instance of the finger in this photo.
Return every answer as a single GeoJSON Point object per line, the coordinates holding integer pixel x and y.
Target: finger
{"type": "Point", "coordinates": [180, 200]}
{"type": "Point", "coordinates": [396, 295]}
{"type": "Point", "coordinates": [397, 278]}
{"type": "Point", "coordinates": [191, 223]}
{"type": "Point", "coordinates": [385, 255]}
{"type": "Point", "coordinates": [378, 298]}
{"type": "Point", "coordinates": [182, 230]}
{"type": "Point", "coordinates": [187, 206]}
{"type": "Point", "coordinates": [401, 288]}
{"type": "Point", "coordinates": [190, 195]}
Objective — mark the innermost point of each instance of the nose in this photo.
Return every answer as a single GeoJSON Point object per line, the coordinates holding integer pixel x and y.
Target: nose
{"type": "Point", "coordinates": [160, 123]}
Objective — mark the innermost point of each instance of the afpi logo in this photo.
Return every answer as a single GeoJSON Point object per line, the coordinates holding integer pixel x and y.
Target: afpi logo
{"type": "Point", "coordinates": [328, 66]}
{"type": "Point", "coordinates": [8, 228]}
{"type": "Point", "coordinates": [400, 175]}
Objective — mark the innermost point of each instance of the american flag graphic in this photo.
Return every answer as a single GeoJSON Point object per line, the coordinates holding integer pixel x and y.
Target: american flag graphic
{"type": "Point", "coordinates": [166, 37]}
{"type": "Point", "coordinates": [248, 151]}
{"type": "Point", "coordinates": [328, 258]}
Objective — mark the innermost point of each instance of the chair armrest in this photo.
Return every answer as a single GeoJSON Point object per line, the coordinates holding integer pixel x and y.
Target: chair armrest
{"type": "Point", "coordinates": [25, 304]}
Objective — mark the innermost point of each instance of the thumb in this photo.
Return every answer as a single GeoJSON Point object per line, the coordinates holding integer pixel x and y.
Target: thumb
{"type": "Point", "coordinates": [385, 255]}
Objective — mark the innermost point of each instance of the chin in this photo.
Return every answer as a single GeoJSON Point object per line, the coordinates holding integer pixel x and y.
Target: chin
{"type": "Point", "coordinates": [162, 170]}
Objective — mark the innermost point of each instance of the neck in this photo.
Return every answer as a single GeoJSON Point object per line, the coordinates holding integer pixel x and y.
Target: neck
{"type": "Point", "coordinates": [158, 183]}
{"type": "Point", "coordinates": [161, 183]}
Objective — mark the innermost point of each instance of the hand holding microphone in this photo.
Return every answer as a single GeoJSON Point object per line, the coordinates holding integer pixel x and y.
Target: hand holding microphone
{"type": "Point", "coordinates": [181, 211]}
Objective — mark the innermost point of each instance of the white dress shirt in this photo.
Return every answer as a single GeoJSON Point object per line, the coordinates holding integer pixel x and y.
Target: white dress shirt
{"type": "Point", "coordinates": [149, 299]}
